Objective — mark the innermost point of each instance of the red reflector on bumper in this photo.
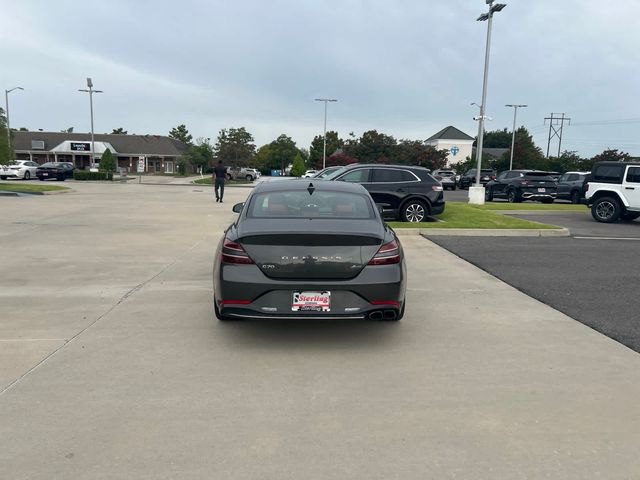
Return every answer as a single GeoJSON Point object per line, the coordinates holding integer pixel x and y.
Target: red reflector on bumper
{"type": "Point", "coordinates": [385, 302]}
{"type": "Point", "coordinates": [235, 302]}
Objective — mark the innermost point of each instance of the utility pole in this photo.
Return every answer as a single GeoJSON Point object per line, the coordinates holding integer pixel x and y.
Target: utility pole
{"type": "Point", "coordinates": [555, 130]}
{"type": "Point", "coordinates": [513, 133]}
{"type": "Point", "coordinates": [6, 103]}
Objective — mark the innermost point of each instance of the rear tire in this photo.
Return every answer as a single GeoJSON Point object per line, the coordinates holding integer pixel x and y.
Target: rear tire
{"type": "Point", "coordinates": [575, 197]}
{"type": "Point", "coordinates": [488, 195]}
{"type": "Point", "coordinates": [414, 211]}
{"type": "Point", "coordinates": [249, 178]}
{"type": "Point", "coordinates": [606, 210]}
{"type": "Point", "coordinates": [513, 196]}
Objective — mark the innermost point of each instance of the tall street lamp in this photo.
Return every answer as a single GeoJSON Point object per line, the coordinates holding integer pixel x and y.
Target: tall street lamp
{"type": "Point", "coordinates": [91, 91]}
{"type": "Point", "coordinates": [324, 151]}
{"type": "Point", "coordinates": [6, 104]}
{"type": "Point", "coordinates": [476, 194]}
{"type": "Point", "coordinates": [513, 134]}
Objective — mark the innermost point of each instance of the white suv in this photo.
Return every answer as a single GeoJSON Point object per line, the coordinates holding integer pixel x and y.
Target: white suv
{"type": "Point", "coordinates": [613, 191]}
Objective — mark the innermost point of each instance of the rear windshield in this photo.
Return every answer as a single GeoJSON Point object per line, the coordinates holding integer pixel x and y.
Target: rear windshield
{"type": "Point", "coordinates": [299, 204]}
{"type": "Point", "coordinates": [538, 175]}
{"type": "Point", "coordinates": [51, 164]}
{"type": "Point", "coordinates": [608, 173]}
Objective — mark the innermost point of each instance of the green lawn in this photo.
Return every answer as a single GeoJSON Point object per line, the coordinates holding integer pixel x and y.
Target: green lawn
{"type": "Point", "coordinates": [209, 181]}
{"type": "Point", "coordinates": [29, 187]}
{"type": "Point", "coordinates": [461, 215]}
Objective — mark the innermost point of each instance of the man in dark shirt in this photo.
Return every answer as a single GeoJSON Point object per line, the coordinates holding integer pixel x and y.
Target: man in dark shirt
{"type": "Point", "coordinates": [219, 175]}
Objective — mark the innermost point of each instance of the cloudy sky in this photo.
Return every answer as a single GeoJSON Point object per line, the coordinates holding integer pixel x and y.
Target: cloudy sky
{"type": "Point", "coordinates": [406, 67]}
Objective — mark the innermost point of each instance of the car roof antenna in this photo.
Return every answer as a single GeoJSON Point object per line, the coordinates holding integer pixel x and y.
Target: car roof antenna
{"type": "Point", "coordinates": [311, 189]}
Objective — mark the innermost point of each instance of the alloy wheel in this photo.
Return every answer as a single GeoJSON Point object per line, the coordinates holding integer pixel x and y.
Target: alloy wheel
{"type": "Point", "coordinates": [605, 210]}
{"type": "Point", "coordinates": [414, 212]}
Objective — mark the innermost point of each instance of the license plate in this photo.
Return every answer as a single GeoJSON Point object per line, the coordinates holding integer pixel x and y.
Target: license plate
{"type": "Point", "coordinates": [311, 302]}
{"type": "Point", "coordinates": [45, 174]}
{"type": "Point", "coordinates": [541, 190]}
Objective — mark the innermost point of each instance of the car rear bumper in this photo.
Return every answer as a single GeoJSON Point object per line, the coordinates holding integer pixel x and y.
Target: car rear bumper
{"type": "Point", "coordinates": [10, 173]}
{"type": "Point", "coordinates": [538, 196]}
{"type": "Point", "coordinates": [243, 291]}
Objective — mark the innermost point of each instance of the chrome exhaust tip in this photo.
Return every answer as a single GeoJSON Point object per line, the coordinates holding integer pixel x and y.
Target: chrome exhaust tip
{"type": "Point", "coordinates": [376, 315]}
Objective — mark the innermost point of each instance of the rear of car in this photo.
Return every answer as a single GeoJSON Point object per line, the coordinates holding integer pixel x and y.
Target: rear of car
{"type": "Point", "coordinates": [447, 178]}
{"type": "Point", "coordinates": [469, 177]}
{"type": "Point", "coordinates": [56, 170]}
{"type": "Point", "coordinates": [536, 186]}
{"type": "Point", "coordinates": [25, 169]}
{"type": "Point", "coordinates": [571, 186]}
{"type": "Point", "coordinates": [317, 253]}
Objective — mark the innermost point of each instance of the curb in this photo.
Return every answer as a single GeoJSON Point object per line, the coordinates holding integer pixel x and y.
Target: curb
{"type": "Point", "coordinates": [483, 232]}
{"type": "Point", "coordinates": [537, 212]}
{"type": "Point", "coordinates": [56, 192]}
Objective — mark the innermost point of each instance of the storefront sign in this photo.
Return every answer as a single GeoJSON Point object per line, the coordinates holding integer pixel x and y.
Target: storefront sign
{"type": "Point", "coordinates": [140, 164]}
{"type": "Point", "coordinates": [80, 147]}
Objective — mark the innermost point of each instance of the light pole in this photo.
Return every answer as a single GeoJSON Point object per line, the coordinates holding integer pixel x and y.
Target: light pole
{"type": "Point", "coordinates": [513, 134]}
{"type": "Point", "coordinates": [6, 104]}
{"type": "Point", "coordinates": [324, 150]}
{"type": "Point", "coordinates": [91, 91]}
{"type": "Point", "coordinates": [477, 194]}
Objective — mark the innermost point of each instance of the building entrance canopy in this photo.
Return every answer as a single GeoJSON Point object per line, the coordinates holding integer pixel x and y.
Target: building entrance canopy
{"type": "Point", "coordinates": [82, 147]}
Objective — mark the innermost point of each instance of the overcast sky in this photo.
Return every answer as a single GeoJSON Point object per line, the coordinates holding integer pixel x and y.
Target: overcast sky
{"type": "Point", "coordinates": [407, 67]}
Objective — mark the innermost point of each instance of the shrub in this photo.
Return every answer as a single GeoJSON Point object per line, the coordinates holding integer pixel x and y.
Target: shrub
{"type": "Point", "coordinates": [87, 175]}
{"type": "Point", "coordinates": [298, 169]}
{"type": "Point", "coordinates": [107, 162]}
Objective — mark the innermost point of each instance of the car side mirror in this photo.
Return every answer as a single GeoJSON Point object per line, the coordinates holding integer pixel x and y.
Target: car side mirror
{"type": "Point", "coordinates": [237, 208]}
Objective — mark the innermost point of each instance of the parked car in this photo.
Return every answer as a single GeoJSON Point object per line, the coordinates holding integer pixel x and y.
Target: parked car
{"type": "Point", "coordinates": [301, 252]}
{"type": "Point", "coordinates": [249, 174]}
{"type": "Point", "coordinates": [326, 171]}
{"type": "Point", "coordinates": [309, 173]}
{"type": "Point", "coordinates": [58, 170]}
{"type": "Point", "coordinates": [469, 177]}
{"type": "Point", "coordinates": [613, 191]}
{"type": "Point", "coordinates": [519, 185]}
{"type": "Point", "coordinates": [25, 169]}
{"type": "Point", "coordinates": [555, 175]}
{"type": "Point", "coordinates": [446, 177]}
{"type": "Point", "coordinates": [571, 186]}
{"type": "Point", "coordinates": [403, 192]}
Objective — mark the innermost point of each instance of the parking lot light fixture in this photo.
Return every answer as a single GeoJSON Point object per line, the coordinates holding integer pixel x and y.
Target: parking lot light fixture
{"type": "Point", "coordinates": [6, 112]}
{"type": "Point", "coordinates": [91, 91]}
{"type": "Point", "coordinates": [513, 133]}
{"type": "Point", "coordinates": [324, 150]}
{"type": "Point", "coordinates": [477, 195]}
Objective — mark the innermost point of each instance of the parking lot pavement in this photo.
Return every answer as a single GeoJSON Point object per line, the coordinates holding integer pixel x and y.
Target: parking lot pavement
{"type": "Point", "coordinates": [114, 367]}
{"type": "Point", "coordinates": [583, 226]}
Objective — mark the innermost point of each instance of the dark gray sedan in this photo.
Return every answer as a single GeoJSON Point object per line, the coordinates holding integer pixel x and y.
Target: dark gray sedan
{"type": "Point", "coordinates": [305, 249]}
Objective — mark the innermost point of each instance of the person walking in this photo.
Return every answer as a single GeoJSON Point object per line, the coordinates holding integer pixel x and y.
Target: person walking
{"type": "Point", "coordinates": [219, 176]}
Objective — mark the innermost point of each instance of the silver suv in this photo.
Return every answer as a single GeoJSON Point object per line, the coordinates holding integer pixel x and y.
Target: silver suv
{"type": "Point", "coordinates": [613, 191]}
{"type": "Point", "coordinates": [249, 174]}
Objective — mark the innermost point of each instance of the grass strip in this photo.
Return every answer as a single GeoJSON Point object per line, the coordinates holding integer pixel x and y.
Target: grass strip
{"type": "Point", "coordinates": [30, 187]}
{"type": "Point", "coordinates": [461, 215]}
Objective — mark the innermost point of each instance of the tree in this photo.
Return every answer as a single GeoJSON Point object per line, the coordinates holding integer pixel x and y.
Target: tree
{"type": "Point", "coordinates": [372, 146]}
{"type": "Point", "coordinates": [415, 152]}
{"type": "Point", "coordinates": [612, 155]}
{"type": "Point", "coordinates": [200, 155]}
{"type": "Point", "coordinates": [282, 152]}
{"type": "Point", "coordinates": [261, 158]}
{"type": "Point", "coordinates": [298, 168]}
{"type": "Point", "coordinates": [235, 147]}
{"type": "Point", "coordinates": [6, 155]}
{"type": "Point", "coordinates": [181, 133]}
{"type": "Point", "coordinates": [107, 162]}
{"type": "Point", "coordinates": [334, 143]}
{"type": "Point", "coordinates": [119, 131]}
{"type": "Point", "coordinates": [67, 130]}
{"type": "Point", "coordinates": [496, 139]}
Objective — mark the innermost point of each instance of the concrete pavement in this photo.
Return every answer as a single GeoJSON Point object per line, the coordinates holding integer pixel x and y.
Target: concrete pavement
{"type": "Point", "coordinates": [112, 365]}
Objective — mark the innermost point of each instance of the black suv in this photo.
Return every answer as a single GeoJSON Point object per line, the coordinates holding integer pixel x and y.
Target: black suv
{"type": "Point", "coordinates": [519, 185]}
{"type": "Point", "coordinates": [403, 192]}
{"type": "Point", "coordinates": [571, 186]}
{"type": "Point", "coordinates": [469, 177]}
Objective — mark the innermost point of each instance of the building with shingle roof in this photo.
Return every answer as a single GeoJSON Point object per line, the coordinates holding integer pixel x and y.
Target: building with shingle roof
{"type": "Point", "coordinates": [159, 153]}
{"type": "Point", "coordinates": [458, 143]}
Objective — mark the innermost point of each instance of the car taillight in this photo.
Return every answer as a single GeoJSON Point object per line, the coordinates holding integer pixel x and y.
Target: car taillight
{"type": "Point", "coordinates": [586, 187]}
{"type": "Point", "coordinates": [493, 177]}
{"type": "Point", "coordinates": [436, 188]}
{"type": "Point", "coordinates": [387, 254]}
{"type": "Point", "coordinates": [233, 252]}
